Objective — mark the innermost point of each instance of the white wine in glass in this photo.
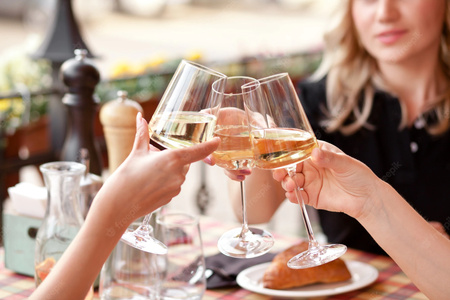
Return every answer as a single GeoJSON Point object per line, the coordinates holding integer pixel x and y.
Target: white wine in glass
{"type": "Point", "coordinates": [184, 117]}
{"type": "Point", "coordinates": [282, 137]}
{"type": "Point", "coordinates": [181, 129]}
{"type": "Point", "coordinates": [235, 152]}
{"type": "Point", "coordinates": [276, 148]}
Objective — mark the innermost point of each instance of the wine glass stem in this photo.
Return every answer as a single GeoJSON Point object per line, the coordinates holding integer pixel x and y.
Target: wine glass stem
{"type": "Point", "coordinates": [244, 212]}
{"type": "Point", "coordinates": [144, 227]}
{"type": "Point", "coordinates": [298, 193]}
{"type": "Point", "coordinates": [243, 203]}
{"type": "Point", "coordinates": [147, 219]}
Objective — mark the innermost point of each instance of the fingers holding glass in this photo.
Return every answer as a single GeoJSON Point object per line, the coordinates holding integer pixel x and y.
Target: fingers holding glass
{"type": "Point", "coordinates": [282, 138]}
{"type": "Point", "coordinates": [184, 117]}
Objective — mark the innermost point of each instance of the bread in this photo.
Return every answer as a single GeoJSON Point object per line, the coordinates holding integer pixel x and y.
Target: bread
{"type": "Point", "coordinates": [279, 276]}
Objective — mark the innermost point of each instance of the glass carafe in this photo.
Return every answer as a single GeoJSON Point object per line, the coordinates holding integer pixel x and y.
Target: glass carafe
{"type": "Point", "coordinates": [63, 217]}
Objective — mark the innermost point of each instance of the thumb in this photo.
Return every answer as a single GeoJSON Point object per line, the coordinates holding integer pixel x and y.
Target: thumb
{"type": "Point", "coordinates": [142, 138]}
{"type": "Point", "coordinates": [329, 159]}
{"type": "Point", "coordinates": [197, 152]}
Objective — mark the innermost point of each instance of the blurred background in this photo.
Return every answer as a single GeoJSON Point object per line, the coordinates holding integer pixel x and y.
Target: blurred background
{"type": "Point", "coordinates": [136, 45]}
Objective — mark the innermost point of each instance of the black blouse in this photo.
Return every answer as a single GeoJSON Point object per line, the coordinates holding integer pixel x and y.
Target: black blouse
{"type": "Point", "coordinates": [415, 163]}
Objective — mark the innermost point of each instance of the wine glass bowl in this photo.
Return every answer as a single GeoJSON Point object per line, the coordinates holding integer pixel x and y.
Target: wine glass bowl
{"type": "Point", "coordinates": [276, 148]}
{"type": "Point", "coordinates": [183, 117]}
{"type": "Point", "coordinates": [235, 152]}
{"type": "Point", "coordinates": [282, 137]}
{"type": "Point", "coordinates": [185, 113]}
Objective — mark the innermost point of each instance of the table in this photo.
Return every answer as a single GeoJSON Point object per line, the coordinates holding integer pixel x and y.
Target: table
{"type": "Point", "coordinates": [392, 283]}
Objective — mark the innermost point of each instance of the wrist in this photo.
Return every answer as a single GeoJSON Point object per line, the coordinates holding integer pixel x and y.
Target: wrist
{"type": "Point", "coordinates": [108, 217]}
{"type": "Point", "coordinates": [374, 207]}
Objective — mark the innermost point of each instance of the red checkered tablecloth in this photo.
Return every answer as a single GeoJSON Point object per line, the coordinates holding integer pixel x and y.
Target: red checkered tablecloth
{"type": "Point", "coordinates": [392, 283]}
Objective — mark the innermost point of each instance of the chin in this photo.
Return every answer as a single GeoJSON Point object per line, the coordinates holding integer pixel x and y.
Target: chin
{"type": "Point", "coordinates": [392, 56]}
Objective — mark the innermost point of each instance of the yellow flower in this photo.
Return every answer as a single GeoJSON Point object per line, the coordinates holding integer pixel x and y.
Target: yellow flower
{"type": "Point", "coordinates": [152, 64]}
{"type": "Point", "coordinates": [122, 68]}
{"type": "Point", "coordinates": [194, 55]}
{"type": "Point", "coordinates": [15, 104]}
{"type": "Point", "coordinates": [5, 104]}
{"type": "Point", "coordinates": [155, 61]}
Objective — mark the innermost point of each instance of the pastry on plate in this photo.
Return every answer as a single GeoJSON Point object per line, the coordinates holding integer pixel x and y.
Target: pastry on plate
{"type": "Point", "coordinates": [279, 276]}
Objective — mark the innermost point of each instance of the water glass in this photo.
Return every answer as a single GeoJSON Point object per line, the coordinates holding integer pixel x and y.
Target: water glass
{"type": "Point", "coordinates": [129, 273]}
{"type": "Point", "coordinates": [183, 267]}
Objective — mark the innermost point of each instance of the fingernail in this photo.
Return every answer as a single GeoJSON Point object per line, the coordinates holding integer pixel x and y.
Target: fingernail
{"type": "Point", "coordinates": [208, 160]}
{"type": "Point", "coordinates": [138, 119]}
{"type": "Point", "coordinates": [245, 172]}
{"type": "Point", "coordinates": [240, 177]}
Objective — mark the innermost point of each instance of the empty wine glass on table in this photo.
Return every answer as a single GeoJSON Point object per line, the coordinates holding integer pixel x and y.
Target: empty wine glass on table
{"type": "Point", "coordinates": [282, 137]}
{"type": "Point", "coordinates": [184, 117]}
{"type": "Point", "coordinates": [235, 153]}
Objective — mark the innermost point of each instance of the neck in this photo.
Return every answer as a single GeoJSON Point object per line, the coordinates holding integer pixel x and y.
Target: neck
{"type": "Point", "coordinates": [416, 83]}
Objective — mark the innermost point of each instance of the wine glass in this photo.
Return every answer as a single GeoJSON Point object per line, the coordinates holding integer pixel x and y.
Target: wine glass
{"type": "Point", "coordinates": [235, 153]}
{"type": "Point", "coordinates": [184, 117]}
{"type": "Point", "coordinates": [282, 137]}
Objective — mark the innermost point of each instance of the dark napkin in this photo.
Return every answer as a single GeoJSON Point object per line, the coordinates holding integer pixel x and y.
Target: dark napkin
{"type": "Point", "coordinates": [225, 269]}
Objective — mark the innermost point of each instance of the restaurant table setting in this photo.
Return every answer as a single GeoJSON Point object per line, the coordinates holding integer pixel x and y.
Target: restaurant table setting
{"type": "Point", "coordinates": [390, 282]}
{"type": "Point", "coordinates": [172, 255]}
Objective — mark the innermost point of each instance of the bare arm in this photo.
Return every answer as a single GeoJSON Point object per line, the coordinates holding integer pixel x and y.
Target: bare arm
{"type": "Point", "coordinates": [417, 247]}
{"type": "Point", "coordinates": [145, 181]}
{"type": "Point", "coordinates": [337, 182]}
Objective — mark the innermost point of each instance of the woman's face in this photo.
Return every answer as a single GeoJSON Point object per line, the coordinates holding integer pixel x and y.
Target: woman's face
{"type": "Point", "coordinates": [398, 30]}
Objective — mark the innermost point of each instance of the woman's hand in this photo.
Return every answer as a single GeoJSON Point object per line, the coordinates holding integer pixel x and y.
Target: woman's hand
{"type": "Point", "coordinates": [333, 181]}
{"type": "Point", "coordinates": [149, 178]}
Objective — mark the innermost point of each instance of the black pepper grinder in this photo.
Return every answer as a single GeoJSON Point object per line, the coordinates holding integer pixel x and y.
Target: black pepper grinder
{"type": "Point", "coordinates": [81, 77]}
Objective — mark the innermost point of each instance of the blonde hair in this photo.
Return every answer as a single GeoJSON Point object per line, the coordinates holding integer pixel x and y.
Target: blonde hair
{"type": "Point", "coordinates": [343, 54]}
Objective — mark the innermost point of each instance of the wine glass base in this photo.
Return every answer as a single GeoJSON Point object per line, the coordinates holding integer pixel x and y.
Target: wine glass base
{"type": "Point", "coordinates": [314, 257]}
{"type": "Point", "coordinates": [144, 243]}
{"type": "Point", "coordinates": [256, 242]}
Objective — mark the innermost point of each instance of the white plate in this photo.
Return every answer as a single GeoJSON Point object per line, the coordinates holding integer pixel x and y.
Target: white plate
{"type": "Point", "coordinates": [362, 275]}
